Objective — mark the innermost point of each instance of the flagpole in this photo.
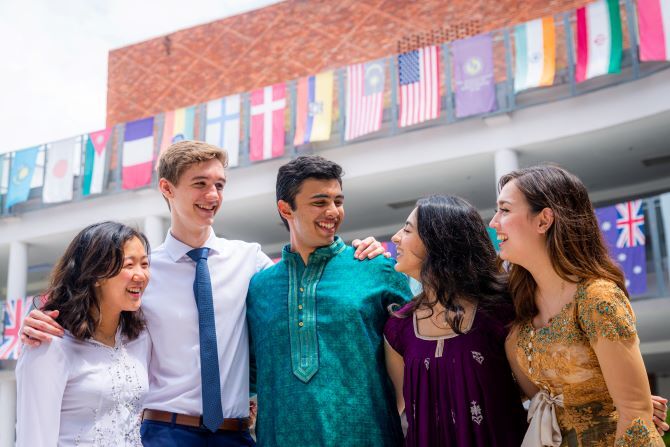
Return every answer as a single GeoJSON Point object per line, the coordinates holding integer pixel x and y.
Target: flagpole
{"type": "Point", "coordinates": [656, 246]}
{"type": "Point", "coordinates": [570, 49]}
{"type": "Point", "coordinates": [632, 37]}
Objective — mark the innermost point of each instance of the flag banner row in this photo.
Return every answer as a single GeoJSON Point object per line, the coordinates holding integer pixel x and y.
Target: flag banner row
{"type": "Point", "coordinates": [14, 311]}
{"type": "Point", "coordinates": [418, 89]}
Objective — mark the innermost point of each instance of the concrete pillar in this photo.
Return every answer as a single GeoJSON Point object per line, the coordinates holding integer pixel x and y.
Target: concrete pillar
{"type": "Point", "coordinates": [17, 274]}
{"type": "Point", "coordinates": [506, 161]}
{"type": "Point", "coordinates": [154, 229]}
{"type": "Point", "coordinates": [7, 408]}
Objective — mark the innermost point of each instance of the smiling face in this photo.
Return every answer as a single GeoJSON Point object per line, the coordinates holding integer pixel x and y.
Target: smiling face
{"type": "Point", "coordinates": [123, 292]}
{"type": "Point", "coordinates": [318, 213]}
{"type": "Point", "coordinates": [196, 198]}
{"type": "Point", "coordinates": [411, 250]}
{"type": "Point", "coordinates": [519, 231]}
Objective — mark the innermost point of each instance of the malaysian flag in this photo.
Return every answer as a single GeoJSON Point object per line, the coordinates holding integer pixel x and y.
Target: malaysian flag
{"type": "Point", "coordinates": [419, 77]}
{"type": "Point", "coordinates": [622, 226]}
{"type": "Point", "coordinates": [365, 98]}
{"type": "Point", "coordinates": [14, 313]}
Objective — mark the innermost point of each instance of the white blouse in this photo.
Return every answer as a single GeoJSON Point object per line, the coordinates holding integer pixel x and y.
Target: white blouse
{"type": "Point", "coordinates": [82, 393]}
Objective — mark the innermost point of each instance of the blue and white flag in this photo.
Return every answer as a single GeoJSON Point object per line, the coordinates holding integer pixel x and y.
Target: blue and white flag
{"type": "Point", "coordinates": [622, 226]}
{"type": "Point", "coordinates": [223, 126]}
{"type": "Point", "coordinates": [20, 176]}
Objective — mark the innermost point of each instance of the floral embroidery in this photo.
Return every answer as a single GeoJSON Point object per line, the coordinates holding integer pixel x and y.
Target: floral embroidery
{"type": "Point", "coordinates": [478, 357]}
{"type": "Point", "coordinates": [559, 358]}
{"type": "Point", "coordinates": [476, 412]}
{"type": "Point", "coordinates": [427, 363]}
{"type": "Point", "coordinates": [637, 435]}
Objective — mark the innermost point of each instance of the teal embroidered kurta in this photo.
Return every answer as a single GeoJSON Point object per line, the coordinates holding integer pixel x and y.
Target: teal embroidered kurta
{"type": "Point", "coordinates": [316, 335]}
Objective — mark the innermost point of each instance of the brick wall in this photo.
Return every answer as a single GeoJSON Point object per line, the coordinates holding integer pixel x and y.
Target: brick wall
{"type": "Point", "coordinates": [292, 39]}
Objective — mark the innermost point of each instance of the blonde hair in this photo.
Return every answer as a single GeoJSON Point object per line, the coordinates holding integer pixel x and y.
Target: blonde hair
{"type": "Point", "coordinates": [182, 155]}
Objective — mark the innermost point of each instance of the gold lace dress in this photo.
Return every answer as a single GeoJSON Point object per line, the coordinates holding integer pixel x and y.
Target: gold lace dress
{"type": "Point", "coordinates": [560, 359]}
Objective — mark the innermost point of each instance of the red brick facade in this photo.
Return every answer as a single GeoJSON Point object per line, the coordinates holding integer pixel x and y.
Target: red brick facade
{"type": "Point", "coordinates": [292, 39]}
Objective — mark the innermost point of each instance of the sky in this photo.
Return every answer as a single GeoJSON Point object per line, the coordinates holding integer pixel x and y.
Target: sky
{"type": "Point", "coordinates": [53, 58]}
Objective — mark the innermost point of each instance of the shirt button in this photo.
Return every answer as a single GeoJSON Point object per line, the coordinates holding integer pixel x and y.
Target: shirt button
{"type": "Point", "coordinates": [299, 306]}
{"type": "Point", "coordinates": [301, 324]}
{"type": "Point", "coordinates": [302, 290]}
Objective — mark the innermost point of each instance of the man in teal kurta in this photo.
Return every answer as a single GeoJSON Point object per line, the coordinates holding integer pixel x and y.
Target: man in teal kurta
{"type": "Point", "coordinates": [316, 321]}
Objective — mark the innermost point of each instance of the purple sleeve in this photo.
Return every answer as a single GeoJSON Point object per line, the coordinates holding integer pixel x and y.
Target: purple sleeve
{"type": "Point", "coordinates": [394, 331]}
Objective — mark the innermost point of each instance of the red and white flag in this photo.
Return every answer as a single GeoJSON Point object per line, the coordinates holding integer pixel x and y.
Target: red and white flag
{"type": "Point", "coordinates": [58, 174]}
{"type": "Point", "coordinates": [267, 122]}
{"type": "Point", "coordinates": [419, 79]}
{"type": "Point", "coordinates": [365, 98]}
{"type": "Point", "coordinates": [138, 153]}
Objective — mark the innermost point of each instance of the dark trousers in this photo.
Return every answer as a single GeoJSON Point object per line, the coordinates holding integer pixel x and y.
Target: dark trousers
{"type": "Point", "coordinates": [166, 434]}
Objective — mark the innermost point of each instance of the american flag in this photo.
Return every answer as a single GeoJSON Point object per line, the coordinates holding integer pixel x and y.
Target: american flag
{"type": "Point", "coordinates": [14, 313]}
{"type": "Point", "coordinates": [365, 98]}
{"type": "Point", "coordinates": [419, 78]}
{"type": "Point", "coordinates": [630, 224]}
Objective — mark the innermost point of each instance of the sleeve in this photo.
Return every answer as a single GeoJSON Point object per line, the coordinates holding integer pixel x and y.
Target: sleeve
{"type": "Point", "coordinates": [41, 377]}
{"type": "Point", "coordinates": [607, 318]}
{"type": "Point", "coordinates": [605, 312]}
{"type": "Point", "coordinates": [391, 331]}
{"type": "Point", "coordinates": [253, 368]}
{"type": "Point", "coordinates": [396, 286]}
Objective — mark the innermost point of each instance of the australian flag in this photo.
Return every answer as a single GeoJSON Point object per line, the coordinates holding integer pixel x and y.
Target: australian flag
{"type": "Point", "coordinates": [14, 313]}
{"type": "Point", "coordinates": [622, 226]}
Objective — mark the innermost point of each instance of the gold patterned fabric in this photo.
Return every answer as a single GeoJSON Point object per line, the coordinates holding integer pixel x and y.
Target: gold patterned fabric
{"type": "Point", "coordinates": [560, 359]}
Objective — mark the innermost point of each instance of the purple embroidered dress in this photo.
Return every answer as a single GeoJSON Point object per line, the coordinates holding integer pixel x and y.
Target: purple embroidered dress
{"type": "Point", "coordinates": [458, 390]}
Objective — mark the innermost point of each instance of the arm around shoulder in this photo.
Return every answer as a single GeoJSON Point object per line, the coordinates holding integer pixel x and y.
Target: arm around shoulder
{"type": "Point", "coordinates": [41, 377]}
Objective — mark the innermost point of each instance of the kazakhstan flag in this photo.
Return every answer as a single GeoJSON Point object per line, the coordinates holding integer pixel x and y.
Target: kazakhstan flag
{"type": "Point", "coordinates": [20, 176]}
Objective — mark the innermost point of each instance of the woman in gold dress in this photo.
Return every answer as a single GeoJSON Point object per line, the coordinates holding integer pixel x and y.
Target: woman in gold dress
{"type": "Point", "coordinates": [573, 346]}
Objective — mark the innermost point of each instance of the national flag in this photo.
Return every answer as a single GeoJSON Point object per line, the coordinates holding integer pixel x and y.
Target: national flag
{"type": "Point", "coordinates": [599, 39]}
{"type": "Point", "coordinates": [138, 153]}
{"type": "Point", "coordinates": [314, 108]}
{"type": "Point", "coordinates": [535, 45]}
{"type": "Point", "coordinates": [14, 312]}
{"type": "Point", "coordinates": [654, 27]}
{"type": "Point", "coordinates": [177, 126]}
{"type": "Point", "coordinates": [473, 74]}
{"type": "Point", "coordinates": [267, 122]}
{"type": "Point", "coordinates": [665, 215]}
{"type": "Point", "coordinates": [622, 226]}
{"type": "Point", "coordinates": [95, 161]}
{"type": "Point", "coordinates": [223, 126]}
{"type": "Point", "coordinates": [419, 80]}
{"type": "Point", "coordinates": [20, 176]}
{"type": "Point", "coordinates": [365, 99]}
{"type": "Point", "coordinates": [58, 174]}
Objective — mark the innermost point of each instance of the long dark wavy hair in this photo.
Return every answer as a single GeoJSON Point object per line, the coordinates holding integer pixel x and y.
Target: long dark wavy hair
{"type": "Point", "coordinates": [574, 242]}
{"type": "Point", "coordinates": [96, 253]}
{"type": "Point", "coordinates": [460, 262]}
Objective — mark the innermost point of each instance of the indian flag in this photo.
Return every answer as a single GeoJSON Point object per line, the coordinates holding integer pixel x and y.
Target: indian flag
{"type": "Point", "coordinates": [654, 24]}
{"type": "Point", "coordinates": [535, 44]}
{"type": "Point", "coordinates": [599, 39]}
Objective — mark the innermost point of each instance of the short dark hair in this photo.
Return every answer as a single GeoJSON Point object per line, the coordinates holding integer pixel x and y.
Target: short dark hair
{"type": "Point", "coordinates": [292, 175]}
{"type": "Point", "coordinates": [95, 253]}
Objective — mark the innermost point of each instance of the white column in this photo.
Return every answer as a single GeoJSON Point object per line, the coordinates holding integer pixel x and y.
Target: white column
{"type": "Point", "coordinates": [506, 161]}
{"type": "Point", "coordinates": [7, 408]}
{"type": "Point", "coordinates": [17, 274]}
{"type": "Point", "coordinates": [154, 229]}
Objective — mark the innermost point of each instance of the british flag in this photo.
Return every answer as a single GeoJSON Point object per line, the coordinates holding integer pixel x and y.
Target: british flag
{"type": "Point", "coordinates": [14, 313]}
{"type": "Point", "coordinates": [630, 223]}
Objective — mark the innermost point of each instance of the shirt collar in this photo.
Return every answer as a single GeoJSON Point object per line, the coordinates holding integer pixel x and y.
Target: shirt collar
{"type": "Point", "coordinates": [176, 249]}
{"type": "Point", "coordinates": [325, 252]}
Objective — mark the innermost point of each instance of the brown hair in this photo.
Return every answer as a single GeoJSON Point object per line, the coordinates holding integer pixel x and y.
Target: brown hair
{"type": "Point", "coordinates": [182, 155]}
{"type": "Point", "coordinates": [95, 253]}
{"type": "Point", "coordinates": [575, 245]}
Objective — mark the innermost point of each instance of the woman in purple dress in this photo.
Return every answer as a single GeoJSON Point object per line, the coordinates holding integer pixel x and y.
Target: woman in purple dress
{"type": "Point", "coordinates": [445, 349]}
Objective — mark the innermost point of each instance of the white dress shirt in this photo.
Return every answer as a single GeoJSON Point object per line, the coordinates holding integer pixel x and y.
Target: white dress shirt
{"type": "Point", "coordinates": [172, 320]}
{"type": "Point", "coordinates": [81, 393]}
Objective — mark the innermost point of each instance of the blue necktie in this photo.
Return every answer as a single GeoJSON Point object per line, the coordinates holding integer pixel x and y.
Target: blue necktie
{"type": "Point", "coordinates": [212, 414]}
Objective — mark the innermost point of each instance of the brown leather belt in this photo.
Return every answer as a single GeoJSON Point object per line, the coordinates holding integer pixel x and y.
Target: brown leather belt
{"type": "Point", "coordinates": [234, 424]}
